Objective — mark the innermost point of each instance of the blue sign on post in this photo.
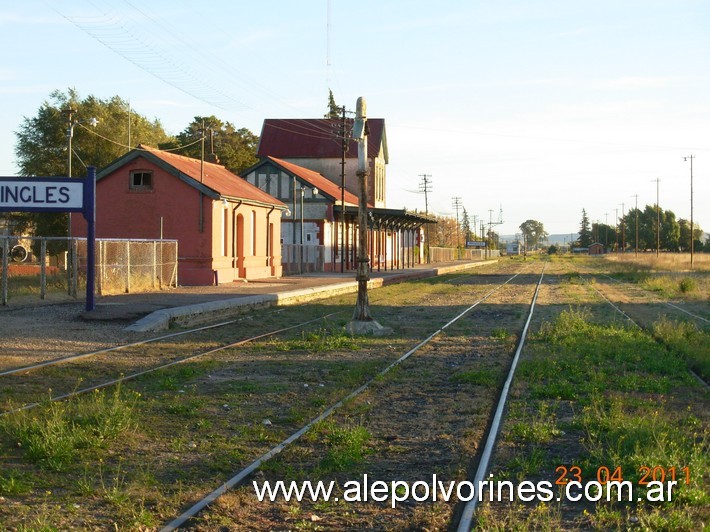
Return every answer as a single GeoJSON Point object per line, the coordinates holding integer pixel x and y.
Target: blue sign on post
{"type": "Point", "coordinates": [57, 194]}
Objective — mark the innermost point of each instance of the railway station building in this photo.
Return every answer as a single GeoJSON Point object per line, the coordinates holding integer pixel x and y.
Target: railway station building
{"type": "Point", "coordinates": [226, 228]}
{"type": "Point", "coordinates": [300, 156]}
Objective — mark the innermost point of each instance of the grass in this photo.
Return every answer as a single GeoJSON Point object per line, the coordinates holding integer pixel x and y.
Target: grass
{"type": "Point", "coordinates": [687, 341]}
{"type": "Point", "coordinates": [482, 377]}
{"type": "Point", "coordinates": [346, 446]}
{"type": "Point", "coordinates": [630, 402]}
{"type": "Point", "coordinates": [57, 433]}
{"type": "Point", "coordinates": [318, 341]}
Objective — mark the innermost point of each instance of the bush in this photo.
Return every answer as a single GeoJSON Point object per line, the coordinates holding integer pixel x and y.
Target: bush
{"type": "Point", "coordinates": [687, 284]}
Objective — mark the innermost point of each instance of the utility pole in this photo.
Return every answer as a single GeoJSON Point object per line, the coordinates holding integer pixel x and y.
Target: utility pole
{"type": "Point", "coordinates": [623, 228]}
{"type": "Point", "coordinates": [636, 247]}
{"type": "Point", "coordinates": [691, 157]}
{"type": "Point", "coordinates": [491, 223]}
{"type": "Point", "coordinates": [425, 186]}
{"type": "Point", "coordinates": [606, 231]}
{"type": "Point", "coordinates": [344, 149]}
{"type": "Point", "coordinates": [362, 322]}
{"type": "Point", "coordinates": [658, 217]}
{"type": "Point", "coordinates": [456, 204]}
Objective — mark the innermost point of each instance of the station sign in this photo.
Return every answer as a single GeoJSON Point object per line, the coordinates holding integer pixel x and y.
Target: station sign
{"type": "Point", "coordinates": [475, 244]}
{"type": "Point", "coordinates": [42, 194]}
{"type": "Point", "coordinates": [57, 194]}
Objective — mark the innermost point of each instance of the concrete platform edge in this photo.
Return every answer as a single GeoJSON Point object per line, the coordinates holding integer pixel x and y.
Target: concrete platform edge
{"type": "Point", "coordinates": [161, 320]}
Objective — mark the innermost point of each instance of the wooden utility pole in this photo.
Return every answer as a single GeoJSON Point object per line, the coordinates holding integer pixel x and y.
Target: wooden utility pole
{"type": "Point", "coordinates": [658, 219]}
{"type": "Point", "coordinates": [692, 246]}
{"type": "Point", "coordinates": [344, 148]}
{"type": "Point", "coordinates": [425, 186]}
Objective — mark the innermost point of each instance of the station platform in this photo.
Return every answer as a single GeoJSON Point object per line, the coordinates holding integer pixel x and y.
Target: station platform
{"type": "Point", "coordinates": [189, 305]}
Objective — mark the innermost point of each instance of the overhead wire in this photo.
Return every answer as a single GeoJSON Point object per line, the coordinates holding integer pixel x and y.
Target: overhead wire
{"type": "Point", "coordinates": [90, 130]}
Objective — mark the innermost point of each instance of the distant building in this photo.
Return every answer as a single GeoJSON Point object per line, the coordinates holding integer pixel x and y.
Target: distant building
{"type": "Point", "coordinates": [596, 249]}
{"type": "Point", "coordinates": [513, 248]}
{"type": "Point", "coordinates": [226, 228]}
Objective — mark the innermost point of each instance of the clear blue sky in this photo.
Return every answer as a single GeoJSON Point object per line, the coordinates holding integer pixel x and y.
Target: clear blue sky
{"type": "Point", "coordinates": [542, 106]}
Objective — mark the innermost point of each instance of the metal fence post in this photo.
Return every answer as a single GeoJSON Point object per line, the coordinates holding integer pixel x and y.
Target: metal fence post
{"type": "Point", "coordinates": [5, 253]}
{"type": "Point", "coordinates": [100, 277]}
{"type": "Point", "coordinates": [128, 267]}
{"type": "Point", "coordinates": [75, 266]}
{"type": "Point", "coordinates": [43, 269]}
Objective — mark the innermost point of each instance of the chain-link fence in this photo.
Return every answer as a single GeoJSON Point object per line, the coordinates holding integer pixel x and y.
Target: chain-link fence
{"type": "Point", "coordinates": [59, 264]}
{"type": "Point", "coordinates": [132, 265]}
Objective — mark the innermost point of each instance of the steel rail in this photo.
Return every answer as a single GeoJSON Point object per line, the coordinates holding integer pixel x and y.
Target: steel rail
{"type": "Point", "coordinates": [692, 373]}
{"type": "Point", "coordinates": [167, 365]}
{"type": "Point", "coordinates": [470, 507]}
{"type": "Point", "coordinates": [79, 356]}
{"type": "Point", "coordinates": [150, 370]}
{"type": "Point", "coordinates": [200, 505]}
{"type": "Point", "coordinates": [658, 300]}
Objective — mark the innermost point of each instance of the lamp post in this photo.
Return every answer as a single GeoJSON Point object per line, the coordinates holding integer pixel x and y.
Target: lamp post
{"type": "Point", "coordinates": [70, 133]}
{"type": "Point", "coordinates": [315, 193]}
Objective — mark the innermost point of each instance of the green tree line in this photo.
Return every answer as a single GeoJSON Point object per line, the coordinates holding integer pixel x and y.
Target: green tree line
{"type": "Point", "coordinates": [655, 226]}
{"type": "Point", "coordinates": [42, 144]}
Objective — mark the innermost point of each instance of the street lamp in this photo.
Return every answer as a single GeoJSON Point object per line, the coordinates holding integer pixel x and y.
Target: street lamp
{"type": "Point", "coordinates": [70, 133]}
{"type": "Point", "coordinates": [303, 192]}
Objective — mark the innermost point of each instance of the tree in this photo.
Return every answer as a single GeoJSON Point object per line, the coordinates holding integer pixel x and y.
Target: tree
{"type": "Point", "coordinates": [234, 148]}
{"type": "Point", "coordinates": [684, 240]}
{"type": "Point", "coordinates": [443, 232]}
{"type": "Point", "coordinates": [585, 233]}
{"type": "Point", "coordinates": [465, 226]}
{"type": "Point", "coordinates": [334, 112]}
{"type": "Point", "coordinates": [670, 231]}
{"type": "Point", "coordinates": [533, 231]}
{"type": "Point", "coordinates": [604, 234]}
{"type": "Point", "coordinates": [41, 147]}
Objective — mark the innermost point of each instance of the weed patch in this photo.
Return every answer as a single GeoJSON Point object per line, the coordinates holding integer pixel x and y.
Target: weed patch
{"type": "Point", "coordinates": [55, 434]}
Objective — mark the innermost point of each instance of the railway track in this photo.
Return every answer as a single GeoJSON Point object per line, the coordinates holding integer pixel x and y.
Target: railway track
{"type": "Point", "coordinates": [430, 401]}
{"type": "Point", "coordinates": [441, 358]}
{"type": "Point", "coordinates": [656, 300]}
{"type": "Point", "coordinates": [644, 326]}
{"type": "Point", "coordinates": [239, 477]}
{"type": "Point", "coordinates": [147, 356]}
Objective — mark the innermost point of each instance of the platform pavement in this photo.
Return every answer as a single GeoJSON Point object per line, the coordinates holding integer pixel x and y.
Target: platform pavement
{"type": "Point", "coordinates": [155, 311]}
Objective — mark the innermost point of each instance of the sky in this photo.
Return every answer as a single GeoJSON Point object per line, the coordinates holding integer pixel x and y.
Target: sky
{"type": "Point", "coordinates": [523, 109]}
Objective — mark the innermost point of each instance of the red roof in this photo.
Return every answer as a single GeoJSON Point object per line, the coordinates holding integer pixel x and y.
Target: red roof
{"type": "Point", "coordinates": [317, 138]}
{"type": "Point", "coordinates": [214, 176]}
{"type": "Point", "coordinates": [323, 184]}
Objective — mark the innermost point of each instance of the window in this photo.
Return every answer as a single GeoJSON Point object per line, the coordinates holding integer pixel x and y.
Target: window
{"type": "Point", "coordinates": [141, 180]}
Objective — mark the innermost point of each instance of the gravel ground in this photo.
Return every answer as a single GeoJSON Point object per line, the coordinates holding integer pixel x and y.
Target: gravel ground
{"type": "Point", "coordinates": [30, 334]}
